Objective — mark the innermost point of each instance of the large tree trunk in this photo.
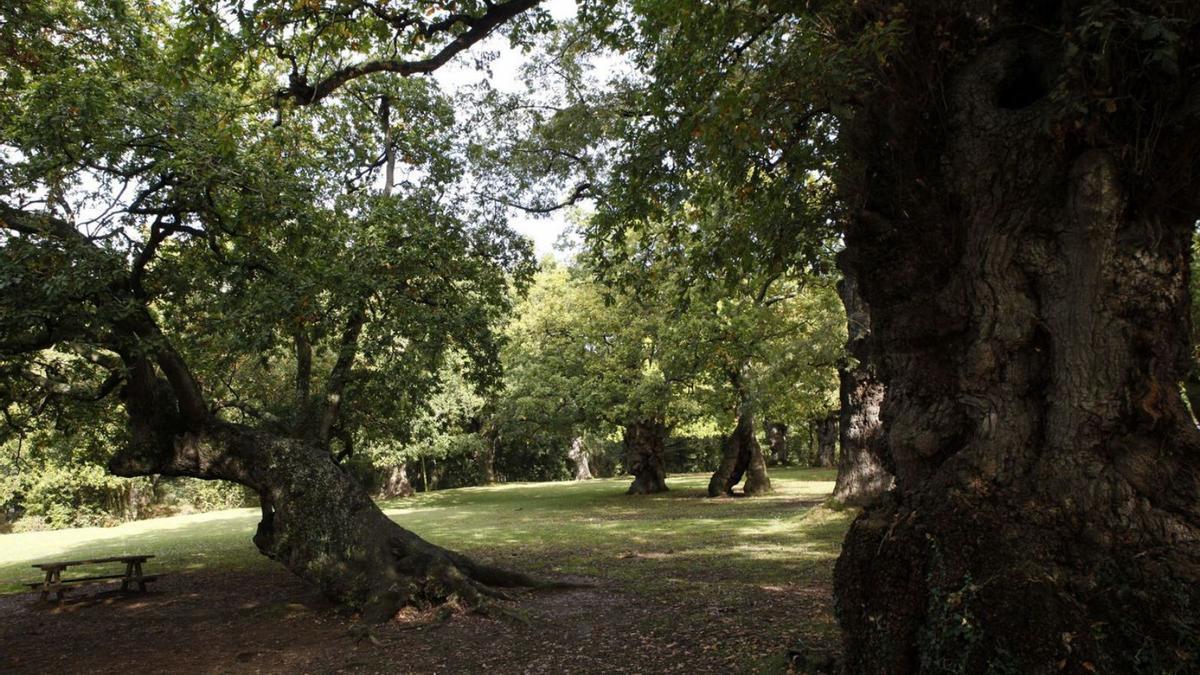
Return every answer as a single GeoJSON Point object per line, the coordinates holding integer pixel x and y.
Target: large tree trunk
{"type": "Point", "coordinates": [827, 438]}
{"type": "Point", "coordinates": [317, 520]}
{"type": "Point", "coordinates": [320, 523]}
{"type": "Point", "coordinates": [742, 456]}
{"type": "Point", "coordinates": [579, 456]}
{"type": "Point", "coordinates": [644, 445]}
{"type": "Point", "coordinates": [396, 483]}
{"type": "Point", "coordinates": [1026, 267]}
{"type": "Point", "coordinates": [863, 476]}
{"type": "Point", "coordinates": [777, 439]}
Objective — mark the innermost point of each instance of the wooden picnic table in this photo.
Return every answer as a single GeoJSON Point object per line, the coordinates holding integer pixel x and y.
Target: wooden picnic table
{"type": "Point", "coordinates": [56, 584]}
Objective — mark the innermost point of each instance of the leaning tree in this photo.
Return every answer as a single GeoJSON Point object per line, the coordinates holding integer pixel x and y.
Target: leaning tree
{"type": "Point", "coordinates": [173, 219]}
{"type": "Point", "coordinates": [1018, 185]}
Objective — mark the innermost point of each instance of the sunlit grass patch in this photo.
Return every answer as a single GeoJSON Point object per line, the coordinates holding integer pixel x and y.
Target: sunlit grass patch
{"type": "Point", "coordinates": [588, 528]}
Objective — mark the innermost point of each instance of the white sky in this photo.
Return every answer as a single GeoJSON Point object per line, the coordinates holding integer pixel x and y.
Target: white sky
{"type": "Point", "coordinates": [543, 230]}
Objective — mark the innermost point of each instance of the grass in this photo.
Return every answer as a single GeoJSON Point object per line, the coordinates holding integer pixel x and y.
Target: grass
{"type": "Point", "coordinates": [673, 543]}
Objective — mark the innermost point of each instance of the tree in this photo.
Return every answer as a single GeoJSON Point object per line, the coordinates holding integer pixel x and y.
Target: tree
{"type": "Point", "coordinates": [1017, 184]}
{"type": "Point", "coordinates": [587, 358]}
{"type": "Point", "coordinates": [163, 224]}
{"type": "Point", "coordinates": [863, 475]}
{"type": "Point", "coordinates": [774, 344]}
{"type": "Point", "coordinates": [827, 429]}
{"type": "Point", "coordinates": [1046, 467]}
{"type": "Point", "coordinates": [777, 440]}
{"type": "Point", "coordinates": [445, 427]}
{"type": "Point", "coordinates": [579, 455]}
{"type": "Point", "coordinates": [729, 240]}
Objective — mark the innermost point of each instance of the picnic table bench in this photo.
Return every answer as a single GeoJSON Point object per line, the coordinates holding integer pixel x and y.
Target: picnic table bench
{"type": "Point", "coordinates": [54, 583]}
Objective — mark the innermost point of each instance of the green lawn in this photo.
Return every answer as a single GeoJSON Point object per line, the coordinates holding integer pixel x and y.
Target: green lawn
{"type": "Point", "coordinates": [675, 540]}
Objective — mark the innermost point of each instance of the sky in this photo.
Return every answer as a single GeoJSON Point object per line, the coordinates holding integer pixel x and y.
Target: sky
{"type": "Point", "coordinates": [543, 230]}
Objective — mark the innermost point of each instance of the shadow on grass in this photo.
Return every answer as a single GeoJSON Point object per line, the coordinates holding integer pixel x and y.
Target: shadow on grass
{"type": "Point", "coordinates": [579, 528]}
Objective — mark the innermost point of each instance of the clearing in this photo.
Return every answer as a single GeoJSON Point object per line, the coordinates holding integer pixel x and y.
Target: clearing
{"type": "Point", "coordinates": [682, 584]}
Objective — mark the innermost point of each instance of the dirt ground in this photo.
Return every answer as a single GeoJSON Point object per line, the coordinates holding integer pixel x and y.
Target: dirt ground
{"type": "Point", "coordinates": [266, 621]}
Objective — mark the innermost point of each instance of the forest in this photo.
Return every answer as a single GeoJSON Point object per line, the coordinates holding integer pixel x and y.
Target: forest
{"type": "Point", "coordinates": [873, 320]}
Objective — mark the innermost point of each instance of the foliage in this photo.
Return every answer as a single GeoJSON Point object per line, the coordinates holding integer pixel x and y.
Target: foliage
{"type": "Point", "coordinates": [67, 496]}
{"type": "Point", "coordinates": [151, 171]}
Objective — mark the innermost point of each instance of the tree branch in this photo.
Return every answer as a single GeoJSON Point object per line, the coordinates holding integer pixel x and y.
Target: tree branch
{"type": "Point", "coordinates": [339, 377]}
{"type": "Point", "coordinates": [580, 192]}
{"type": "Point", "coordinates": [478, 28]}
{"type": "Point", "coordinates": [131, 330]}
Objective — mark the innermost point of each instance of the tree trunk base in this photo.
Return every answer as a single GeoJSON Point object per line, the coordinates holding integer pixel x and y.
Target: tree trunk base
{"type": "Point", "coordinates": [323, 526]}
{"type": "Point", "coordinates": [644, 444]}
{"type": "Point", "coordinates": [646, 486]}
{"type": "Point", "coordinates": [396, 484]}
{"type": "Point", "coordinates": [978, 585]}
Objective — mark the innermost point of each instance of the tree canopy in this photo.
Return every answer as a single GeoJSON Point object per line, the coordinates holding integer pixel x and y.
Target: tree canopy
{"type": "Point", "coordinates": [252, 242]}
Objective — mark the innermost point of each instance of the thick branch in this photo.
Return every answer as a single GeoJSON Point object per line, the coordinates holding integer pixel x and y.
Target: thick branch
{"type": "Point", "coordinates": [41, 224]}
{"type": "Point", "coordinates": [340, 376]}
{"type": "Point", "coordinates": [129, 331]}
{"type": "Point", "coordinates": [68, 390]}
{"type": "Point", "coordinates": [302, 93]}
{"type": "Point", "coordinates": [580, 192]}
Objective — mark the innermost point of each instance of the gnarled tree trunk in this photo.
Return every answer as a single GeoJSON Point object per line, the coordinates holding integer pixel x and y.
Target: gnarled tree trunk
{"type": "Point", "coordinates": [396, 483]}
{"type": "Point", "coordinates": [318, 521]}
{"type": "Point", "coordinates": [1026, 268]}
{"type": "Point", "coordinates": [827, 438]}
{"type": "Point", "coordinates": [644, 444]}
{"type": "Point", "coordinates": [863, 476]}
{"type": "Point", "coordinates": [777, 439]}
{"type": "Point", "coordinates": [579, 456]}
{"type": "Point", "coordinates": [742, 455]}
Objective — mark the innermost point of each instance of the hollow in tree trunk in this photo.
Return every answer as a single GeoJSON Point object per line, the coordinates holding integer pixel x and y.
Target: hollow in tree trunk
{"type": "Point", "coordinates": [863, 476]}
{"type": "Point", "coordinates": [1026, 268]}
{"type": "Point", "coordinates": [777, 439]}
{"type": "Point", "coordinates": [827, 437]}
{"type": "Point", "coordinates": [579, 456]}
{"type": "Point", "coordinates": [644, 445]}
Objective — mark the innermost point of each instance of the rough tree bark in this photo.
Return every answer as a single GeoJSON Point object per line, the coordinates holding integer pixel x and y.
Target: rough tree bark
{"type": "Point", "coordinates": [777, 439]}
{"type": "Point", "coordinates": [1026, 269]}
{"type": "Point", "coordinates": [396, 483]}
{"type": "Point", "coordinates": [644, 444]}
{"type": "Point", "coordinates": [579, 456]}
{"type": "Point", "coordinates": [317, 520]}
{"type": "Point", "coordinates": [827, 438]}
{"type": "Point", "coordinates": [863, 475]}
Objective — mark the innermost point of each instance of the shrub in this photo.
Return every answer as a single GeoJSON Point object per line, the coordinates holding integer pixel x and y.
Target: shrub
{"type": "Point", "coordinates": [72, 495]}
